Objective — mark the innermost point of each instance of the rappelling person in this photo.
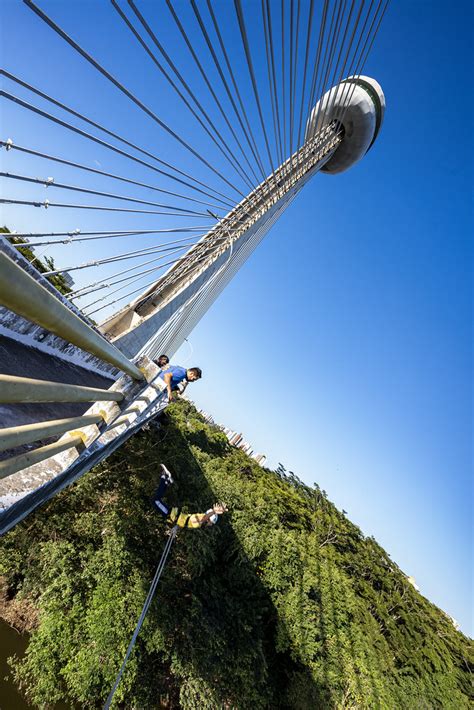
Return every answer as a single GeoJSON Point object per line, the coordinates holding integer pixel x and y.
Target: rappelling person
{"type": "Point", "coordinates": [177, 378]}
{"type": "Point", "coordinates": [175, 516]}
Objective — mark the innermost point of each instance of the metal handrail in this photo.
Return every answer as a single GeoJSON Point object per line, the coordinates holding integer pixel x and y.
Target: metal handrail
{"type": "Point", "coordinates": [18, 463]}
{"type": "Point", "coordinates": [11, 437]}
{"type": "Point", "coordinates": [20, 293]}
{"type": "Point", "coordinates": [24, 389]}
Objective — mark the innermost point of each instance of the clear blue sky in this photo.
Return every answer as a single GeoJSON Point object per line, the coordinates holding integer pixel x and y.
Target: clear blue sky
{"type": "Point", "coordinates": [343, 346]}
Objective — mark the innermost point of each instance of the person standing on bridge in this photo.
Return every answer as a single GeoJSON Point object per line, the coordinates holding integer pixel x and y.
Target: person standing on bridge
{"type": "Point", "coordinates": [175, 516]}
{"type": "Point", "coordinates": [162, 362]}
{"type": "Point", "coordinates": [175, 375]}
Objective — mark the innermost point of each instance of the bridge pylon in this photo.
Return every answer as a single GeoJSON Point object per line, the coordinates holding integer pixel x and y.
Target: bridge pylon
{"type": "Point", "coordinates": [341, 128]}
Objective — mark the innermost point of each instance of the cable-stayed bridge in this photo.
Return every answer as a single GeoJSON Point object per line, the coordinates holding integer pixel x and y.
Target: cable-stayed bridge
{"type": "Point", "coordinates": [271, 94]}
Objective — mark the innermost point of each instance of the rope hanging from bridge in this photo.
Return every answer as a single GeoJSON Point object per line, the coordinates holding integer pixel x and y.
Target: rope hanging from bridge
{"type": "Point", "coordinates": [146, 606]}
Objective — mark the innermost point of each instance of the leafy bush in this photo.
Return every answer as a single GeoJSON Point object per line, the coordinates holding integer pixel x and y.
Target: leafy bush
{"type": "Point", "coordinates": [284, 604]}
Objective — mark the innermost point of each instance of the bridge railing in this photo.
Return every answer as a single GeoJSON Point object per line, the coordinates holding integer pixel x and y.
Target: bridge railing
{"type": "Point", "coordinates": [20, 293]}
{"type": "Point", "coordinates": [23, 295]}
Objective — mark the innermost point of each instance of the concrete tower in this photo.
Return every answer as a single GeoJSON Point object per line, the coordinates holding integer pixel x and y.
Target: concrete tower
{"type": "Point", "coordinates": [342, 127]}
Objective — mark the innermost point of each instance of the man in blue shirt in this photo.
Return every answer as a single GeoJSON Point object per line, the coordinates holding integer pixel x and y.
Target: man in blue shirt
{"type": "Point", "coordinates": [173, 375]}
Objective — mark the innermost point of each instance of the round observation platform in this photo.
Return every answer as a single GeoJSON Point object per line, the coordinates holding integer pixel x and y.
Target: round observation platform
{"type": "Point", "coordinates": [358, 105]}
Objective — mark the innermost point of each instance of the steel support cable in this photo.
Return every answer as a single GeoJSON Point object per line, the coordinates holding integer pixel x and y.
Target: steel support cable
{"type": "Point", "coordinates": [247, 248]}
{"type": "Point", "coordinates": [162, 285]}
{"type": "Point", "coordinates": [358, 63]}
{"type": "Point", "coordinates": [117, 150]}
{"type": "Point", "coordinates": [76, 188]}
{"type": "Point", "coordinates": [73, 237]}
{"type": "Point", "coordinates": [235, 85]}
{"type": "Point", "coordinates": [295, 79]}
{"type": "Point", "coordinates": [317, 63]}
{"type": "Point", "coordinates": [243, 34]}
{"type": "Point", "coordinates": [209, 86]}
{"type": "Point", "coordinates": [293, 72]}
{"type": "Point", "coordinates": [89, 313]}
{"type": "Point", "coordinates": [334, 82]}
{"type": "Point", "coordinates": [283, 76]}
{"type": "Point", "coordinates": [276, 131]}
{"type": "Point", "coordinates": [305, 70]}
{"type": "Point", "coordinates": [321, 66]}
{"type": "Point", "coordinates": [332, 49]}
{"type": "Point", "coordinates": [11, 146]}
{"type": "Point", "coordinates": [146, 605]}
{"type": "Point", "coordinates": [109, 259]}
{"type": "Point", "coordinates": [207, 245]}
{"type": "Point", "coordinates": [171, 323]}
{"type": "Point", "coordinates": [361, 65]}
{"type": "Point", "coordinates": [351, 88]}
{"type": "Point", "coordinates": [126, 295]}
{"type": "Point", "coordinates": [192, 315]}
{"type": "Point", "coordinates": [79, 293]}
{"type": "Point", "coordinates": [290, 72]}
{"type": "Point", "coordinates": [140, 288]}
{"type": "Point", "coordinates": [227, 88]}
{"type": "Point", "coordinates": [272, 80]}
{"type": "Point", "coordinates": [366, 48]}
{"type": "Point", "coordinates": [131, 279]}
{"type": "Point", "coordinates": [125, 91]}
{"type": "Point", "coordinates": [327, 103]}
{"type": "Point", "coordinates": [345, 72]}
{"type": "Point", "coordinates": [47, 203]}
{"type": "Point", "coordinates": [190, 319]}
{"type": "Point", "coordinates": [222, 147]}
{"type": "Point", "coordinates": [329, 48]}
{"type": "Point", "coordinates": [283, 161]}
{"type": "Point", "coordinates": [183, 275]}
{"type": "Point", "coordinates": [143, 151]}
{"type": "Point", "coordinates": [77, 232]}
{"type": "Point", "coordinates": [134, 277]}
{"type": "Point", "coordinates": [207, 294]}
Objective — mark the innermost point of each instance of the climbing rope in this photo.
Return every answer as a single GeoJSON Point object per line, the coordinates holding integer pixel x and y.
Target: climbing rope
{"type": "Point", "coordinates": [148, 600]}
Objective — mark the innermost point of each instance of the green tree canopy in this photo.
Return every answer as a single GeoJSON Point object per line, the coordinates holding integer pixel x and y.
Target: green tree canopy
{"type": "Point", "coordinates": [283, 604]}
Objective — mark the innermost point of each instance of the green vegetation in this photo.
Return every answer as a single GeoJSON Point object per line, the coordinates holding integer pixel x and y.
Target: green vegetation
{"type": "Point", "coordinates": [42, 265]}
{"type": "Point", "coordinates": [284, 604]}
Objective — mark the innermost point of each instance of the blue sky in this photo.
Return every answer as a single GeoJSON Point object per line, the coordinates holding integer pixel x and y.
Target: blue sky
{"type": "Point", "coordinates": [343, 346]}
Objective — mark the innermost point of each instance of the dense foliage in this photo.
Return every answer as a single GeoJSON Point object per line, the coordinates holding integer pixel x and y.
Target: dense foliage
{"type": "Point", "coordinates": [284, 604]}
{"type": "Point", "coordinates": [42, 265]}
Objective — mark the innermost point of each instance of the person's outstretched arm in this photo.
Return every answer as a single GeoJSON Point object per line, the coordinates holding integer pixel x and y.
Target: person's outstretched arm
{"type": "Point", "coordinates": [167, 377]}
